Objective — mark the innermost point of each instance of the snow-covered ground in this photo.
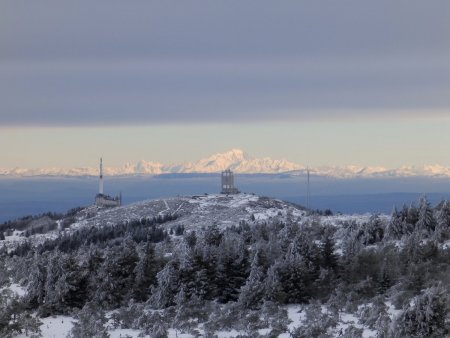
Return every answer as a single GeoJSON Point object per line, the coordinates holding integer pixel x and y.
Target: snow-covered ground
{"type": "Point", "coordinates": [348, 319]}
{"type": "Point", "coordinates": [54, 327]}
{"type": "Point", "coordinates": [193, 212]}
{"type": "Point", "coordinates": [60, 326]}
{"type": "Point", "coordinates": [17, 289]}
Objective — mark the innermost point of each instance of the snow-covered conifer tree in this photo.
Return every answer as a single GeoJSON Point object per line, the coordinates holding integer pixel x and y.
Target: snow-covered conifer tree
{"type": "Point", "coordinates": [252, 292]}
{"type": "Point", "coordinates": [37, 280]}
{"type": "Point", "coordinates": [90, 323]}
{"type": "Point", "coordinates": [232, 267]}
{"type": "Point", "coordinates": [425, 316]}
{"type": "Point", "coordinates": [394, 229]}
{"type": "Point", "coordinates": [426, 221]}
{"type": "Point", "coordinates": [443, 221]}
{"type": "Point", "coordinates": [273, 289]}
{"type": "Point", "coordinates": [145, 272]}
{"type": "Point", "coordinates": [373, 231]}
{"type": "Point", "coordinates": [163, 294]}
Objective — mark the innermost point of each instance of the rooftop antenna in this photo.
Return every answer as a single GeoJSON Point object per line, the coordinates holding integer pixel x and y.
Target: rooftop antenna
{"type": "Point", "coordinates": [308, 191]}
{"type": "Point", "coordinates": [100, 187]}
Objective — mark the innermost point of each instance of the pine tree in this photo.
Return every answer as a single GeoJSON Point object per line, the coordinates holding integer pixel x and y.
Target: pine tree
{"type": "Point", "coordinates": [412, 215]}
{"type": "Point", "coordinates": [206, 278]}
{"type": "Point", "coordinates": [72, 286]}
{"type": "Point", "coordinates": [106, 282]}
{"type": "Point", "coordinates": [251, 294]}
{"type": "Point", "coordinates": [54, 272]}
{"type": "Point", "coordinates": [190, 238]}
{"type": "Point", "coordinates": [385, 279]}
{"type": "Point", "coordinates": [295, 275]}
{"type": "Point", "coordinates": [192, 274]}
{"type": "Point", "coordinates": [351, 245]}
{"type": "Point", "coordinates": [426, 221]}
{"type": "Point", "coordinates": [66, 284]}
{"type": "Point", "coordinates": [373, 231]}
{"type": "Point", "coordinates": [164, 293]}
{"type": "Point", "coordinates": [329, 258]}
{"type": "Point", "coordinates": [11, 309]}
{"type": "Point", "coordinates": [382, 325]}
{"type": "Point", "coordinates": [145, 272]}
{"type": "Point", "coordinates": [273, 289]}
{"type": "Point", "coordinates": [212, 236]}
{"type": "Point", "coordinates": [394, 229]}
{"type": "Point", "coordinates": [199, 284]}
{"type": "Point", "coordinates": [232, 268]}
{"type": "Point", "coordinates": [425, 316]}
{"type": "Point", "coordinates": [31, 325]}
{"type": "Point", "coordinates": [159, 331]}
{"type": "Point", "coordinates": [116, 274]}
{"type": "Point", "coordinates": [94, 261]}
{"type": "Point", "coordinates": [90, 323]}
{"type": "Point", "coordinates": [443, 222]}
{"type": "Point", "coordinates": [37, 281]}
{"type": "Point", "coordinates": [189, 312]}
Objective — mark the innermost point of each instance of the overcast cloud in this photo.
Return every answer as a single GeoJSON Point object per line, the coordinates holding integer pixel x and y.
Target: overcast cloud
{"type": "Point", "coordinates": [114, 62]}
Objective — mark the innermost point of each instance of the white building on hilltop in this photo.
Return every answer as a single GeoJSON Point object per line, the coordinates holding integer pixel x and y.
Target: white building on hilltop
{"type": "Point", "coordinates": [105, 201]}
{"type": "Point", "coordinates": [228, 183]}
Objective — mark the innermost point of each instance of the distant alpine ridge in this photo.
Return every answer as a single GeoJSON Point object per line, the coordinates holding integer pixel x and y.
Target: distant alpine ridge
{"type": "Point", "coordinates": [238, 161]}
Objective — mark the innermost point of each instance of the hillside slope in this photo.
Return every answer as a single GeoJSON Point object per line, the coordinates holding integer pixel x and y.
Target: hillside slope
{"type": "Point", "coordinates": [192, 212]}
{"type": "Point", "coordinates": [228, 266]}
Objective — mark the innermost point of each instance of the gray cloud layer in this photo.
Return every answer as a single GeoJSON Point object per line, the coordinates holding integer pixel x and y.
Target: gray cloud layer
{"type": "Point", "coordinates": [111, 62]}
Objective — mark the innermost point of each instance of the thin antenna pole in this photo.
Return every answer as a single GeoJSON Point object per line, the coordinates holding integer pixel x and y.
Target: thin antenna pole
{"type": "Point", "coordinates": [308, 191]}
{"type": "Point", "coordinates": [100, 188]}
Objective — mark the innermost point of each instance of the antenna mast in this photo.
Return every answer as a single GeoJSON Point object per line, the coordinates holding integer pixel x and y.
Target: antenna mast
{"type": "Point", "coordinates": [100, 188]}
{"type": "Point", "coordinates": [308, 191]}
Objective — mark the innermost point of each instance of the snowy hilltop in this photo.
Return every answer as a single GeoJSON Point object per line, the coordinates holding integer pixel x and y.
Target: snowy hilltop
{"type": "Point", "coordinates": [226, 266]}
{"type": "Point", "coordinates": [193, 212]}
{"type": "Point", "coordinates": [238, 161]}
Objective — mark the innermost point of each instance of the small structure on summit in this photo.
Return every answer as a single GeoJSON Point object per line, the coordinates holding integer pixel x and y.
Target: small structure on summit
{"type": "Point", "coordinates": [106, 201]}
{"type": "Point", "coordinates": [228, 183]}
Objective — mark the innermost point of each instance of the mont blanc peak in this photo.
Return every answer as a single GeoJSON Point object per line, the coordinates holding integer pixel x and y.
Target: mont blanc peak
{"type": "Point", "coordinates": [221, 161]}
{"type": "Point", "coordinates": [240, 162]}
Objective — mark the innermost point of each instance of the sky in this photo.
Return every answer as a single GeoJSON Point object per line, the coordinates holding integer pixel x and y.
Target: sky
{"type": "Point", "coordinates": [315, 82]}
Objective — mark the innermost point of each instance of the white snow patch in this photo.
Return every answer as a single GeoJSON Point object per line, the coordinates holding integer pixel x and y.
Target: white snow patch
{"type": "Point", "coordinates": [297, 316]}
{"type": "Point", "coordinates": [228, 334]}
{"type": "Point", "coordinates": [120, 333]}
{"type": "Point", "coordinates": [392, 311]}
{"type": "Point", "coordinates": [268, 214]}
{"type": "Point", "coordinates": [16, 236]}
{"type": "Point", "coordinates": [446, 245]}
{"type": "Point", "coordinates": [17, 289]}
{"type": "Point", "coordinates": [348, 319]}
{"type": "Point", "coordinates": [54, 327]}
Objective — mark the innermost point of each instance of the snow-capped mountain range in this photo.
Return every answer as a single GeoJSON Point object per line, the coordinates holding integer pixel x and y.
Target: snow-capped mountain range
{"type": "Point", "coordinates": [238, 161]}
